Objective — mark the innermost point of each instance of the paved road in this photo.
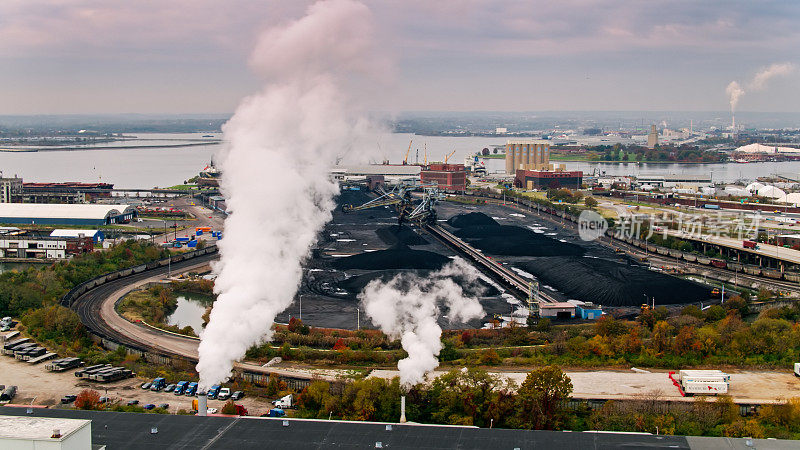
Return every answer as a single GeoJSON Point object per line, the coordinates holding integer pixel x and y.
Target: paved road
{"type": "Point", "coordinates": [97, 312]}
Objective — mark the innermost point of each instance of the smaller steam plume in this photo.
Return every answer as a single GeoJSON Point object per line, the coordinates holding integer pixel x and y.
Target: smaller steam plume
{"type": "Point", "coordinates": [408, 306]}
{"type": "Point", "coordinates": [735, 91]}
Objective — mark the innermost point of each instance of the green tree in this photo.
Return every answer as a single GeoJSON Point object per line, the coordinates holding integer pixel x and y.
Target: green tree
{"type": "Point", "coordinates": [590, 202]}
{"type": "Point", "coordinates": [541, 398]}
{"type": "Point", "coordinates": [471, 397]}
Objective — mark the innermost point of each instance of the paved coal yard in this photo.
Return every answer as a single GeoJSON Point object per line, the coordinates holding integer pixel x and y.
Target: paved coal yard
{"type": "Point", "coordinates": [360, 246]}
{"type": "Point", "coordinates": [566, 266]}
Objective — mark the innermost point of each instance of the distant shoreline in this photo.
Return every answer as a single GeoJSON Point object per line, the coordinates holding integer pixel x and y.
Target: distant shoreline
{"type": "Point", "coordinates": [118, 147]}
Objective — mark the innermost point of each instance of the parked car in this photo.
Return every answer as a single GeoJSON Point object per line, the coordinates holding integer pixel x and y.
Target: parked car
{"type": "Point", "coordinates": [212, 410]}
{"type": "Point", "coordinates": [169, 388]}
{"type": "Point", "coordinates": [164, 406]}
{"type": "Point", "coordinates": [133, 402]}
{"type": "Point", "coordinates": [104, 399]}
{"type": "Point", "coordinates": [68, 399]}
{"type": "Point", "coordinates": [146, 385]}
{"type": "Point", "coordinates": [149, 406]}
{"type": "Point", "coordinates": [224, 394]}
{"type": "Point", "coordinates": [237, 395]}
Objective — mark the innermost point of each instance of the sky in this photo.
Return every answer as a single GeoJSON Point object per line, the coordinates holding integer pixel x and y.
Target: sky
{"type": "Point", "coordinates": [191, 56]}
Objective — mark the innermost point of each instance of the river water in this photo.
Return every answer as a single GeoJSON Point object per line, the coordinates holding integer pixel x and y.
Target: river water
{"type": "Point", "coordinates": [164, 166]}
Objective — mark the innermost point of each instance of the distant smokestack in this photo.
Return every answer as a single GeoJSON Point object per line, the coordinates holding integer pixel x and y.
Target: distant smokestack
{"type": "Point", "coordinates": [733, 126]}
{"type": "Point", "coordinates": [403, 409]}
{"type": "Point", "coordinates": [202, 404]}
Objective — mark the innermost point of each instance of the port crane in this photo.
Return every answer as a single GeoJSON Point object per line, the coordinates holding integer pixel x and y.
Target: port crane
{"type": "Point", "coordinates": [448, 156]}
{"type": "Point", "coordinates": [405, 160]}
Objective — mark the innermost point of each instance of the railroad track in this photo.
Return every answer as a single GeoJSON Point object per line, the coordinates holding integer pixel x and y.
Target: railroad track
{"type": "Point", "coordinates": [500, 272]}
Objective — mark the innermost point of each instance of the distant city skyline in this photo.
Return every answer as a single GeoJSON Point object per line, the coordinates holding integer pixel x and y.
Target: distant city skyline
{"type": "Point", "coordinates": [191, 56]}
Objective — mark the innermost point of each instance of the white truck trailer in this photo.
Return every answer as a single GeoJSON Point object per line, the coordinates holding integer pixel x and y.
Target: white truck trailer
{"type": "Point", "coordinates": [706, 382]}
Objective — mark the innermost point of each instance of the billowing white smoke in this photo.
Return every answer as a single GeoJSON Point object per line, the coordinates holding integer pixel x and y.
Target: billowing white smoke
{"type": "Point", "coordinates": [759, 82]}
{"type": "Point", "coordinates": [279, 147]}
{"type": "Point", "coordinates": [408, 306]}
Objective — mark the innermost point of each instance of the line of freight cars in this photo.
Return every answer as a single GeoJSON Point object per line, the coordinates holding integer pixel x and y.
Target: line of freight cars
{"type": "Point", "coordinates": [677, 254]}
{"type": "Point", "coordinates": [104, 373]}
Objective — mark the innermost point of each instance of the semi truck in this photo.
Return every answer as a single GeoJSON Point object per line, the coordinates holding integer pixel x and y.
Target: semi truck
{"type": "Point", "coordinates": [283, 402]}
{"type": "Point", "coordinates": [750, 244]}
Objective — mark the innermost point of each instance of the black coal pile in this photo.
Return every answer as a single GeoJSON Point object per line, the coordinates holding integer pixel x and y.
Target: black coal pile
{"type": "Point", "coordinates": [610, 283]}
{"type": "Point", "coordinates": [354, 285]}
{"type": "Point", "coordinates": [485, 233]}
{"type": "Point", "coordinates": [353, 197]}
{"type": "Point", "coordinates": [471, 220]}
{"type": "Point", "coordinates": [397, 257]}
{"type": "Point", "coordinates": [396, 234]}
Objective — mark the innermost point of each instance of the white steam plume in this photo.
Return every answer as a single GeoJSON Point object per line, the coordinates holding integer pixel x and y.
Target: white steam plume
{"type": "Point", "coordinates": [279, 147]}
{"type": "Point", "coordinates": [407, 307]}
{"type": "Point", "coordinates": [759, 82]}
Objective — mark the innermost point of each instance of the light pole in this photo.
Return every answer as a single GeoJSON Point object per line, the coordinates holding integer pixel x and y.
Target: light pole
{"type": "Point", "coordinates": [301, 307]}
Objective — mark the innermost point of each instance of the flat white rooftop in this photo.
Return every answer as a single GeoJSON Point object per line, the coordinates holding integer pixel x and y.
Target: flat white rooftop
{"type": "Point", "coordinates": [38, 428]}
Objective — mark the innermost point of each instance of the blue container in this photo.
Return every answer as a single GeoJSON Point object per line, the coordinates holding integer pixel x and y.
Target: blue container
{"type": "Point", "coordinates": [199, 232]}
{"type": "Point", "coordinates": [191, 244]}
{"type": "Point", "coordinates": [183, 239]}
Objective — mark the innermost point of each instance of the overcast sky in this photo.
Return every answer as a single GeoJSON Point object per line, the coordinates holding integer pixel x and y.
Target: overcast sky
{"type": "Point", "coordinates": [190, 56]}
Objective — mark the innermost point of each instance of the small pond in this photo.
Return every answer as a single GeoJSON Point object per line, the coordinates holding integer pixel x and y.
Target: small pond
{"type": "Point", "coordinates": [190, 310]}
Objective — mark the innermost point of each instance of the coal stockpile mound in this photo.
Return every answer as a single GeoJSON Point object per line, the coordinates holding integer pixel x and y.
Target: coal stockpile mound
{"type": "Point", "coordinates": [613, 284]}
{"type": "Point", "coordinates": [350, 197]}
{"type": "Point", "coordinates": [471, 220]}
{"type": "Point", "coordinates": [354, 285]}
{"type": "Point", "coordinates": [395, 234]}
{"type": "Point", "coordinates": [398, 257]}
{"type": "Point", "coordinates": [510, 240]}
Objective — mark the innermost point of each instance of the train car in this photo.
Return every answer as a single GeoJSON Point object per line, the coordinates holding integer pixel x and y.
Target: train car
{"type": "Point", "coordinates": [772, 273]}
{"type": "Point", "coordinates": [752, 270]}
{"type": "Point", "coordinates": [792, 276]}
{"type": "Point", "coordinates": [721, 264]}
{"type": "Point", "coordinates": [703, 260]}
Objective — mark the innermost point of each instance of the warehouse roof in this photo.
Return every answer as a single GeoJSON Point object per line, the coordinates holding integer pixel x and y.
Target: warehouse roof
{"type": "Point", "coordinates": [38, 428]}
{"type": "Point", "coordinates": [74, 233]}
{"type": "Point", "coordinates": [62, 211]}
{"type": "Point", "coordinates": [378, 169]}
{"type": "Point", "coordinates": [133, 431]}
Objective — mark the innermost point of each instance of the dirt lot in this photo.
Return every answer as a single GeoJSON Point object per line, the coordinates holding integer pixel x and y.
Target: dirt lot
{"type": "Point", "coordinates": [48, 388]}
{"type": "Point", "coordinates": [745, 386]}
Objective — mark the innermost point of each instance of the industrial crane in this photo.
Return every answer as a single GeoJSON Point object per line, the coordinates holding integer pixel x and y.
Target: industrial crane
{"type": "Point", "coordinates": [405, 160]}
{"type": "Point", "coordinates": [448, 156]}
{"type": "Point", "coordinates": [400, 197]}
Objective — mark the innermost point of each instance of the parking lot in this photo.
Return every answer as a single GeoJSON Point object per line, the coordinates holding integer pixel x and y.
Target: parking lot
{"type": "Point", "coordinates": [40, 387]}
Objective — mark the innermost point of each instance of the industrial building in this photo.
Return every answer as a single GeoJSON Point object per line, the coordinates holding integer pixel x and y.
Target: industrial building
{"type": "Point", "coordinates": [557, 310]}
{"type": "Point", "coordinates": [548, 179]}
{"type": "Point", "coordinates": [96, 235]}
{"type": "Point", "coordinates": [449, 177]}
{"type": "Point", "coordinates": [652, 138]}
{"type": "Point", "coordinates": [60, 214]}
{"type": "Point", "coordinates": [70, 192]}
{"type": "Point", "coordinates": [527, 154]}
{"type": "Point", "coordinates": [27, 246]}
{"type": "Point", "coordinates": [45, 433]}
{"type": "Point", "coordinates": [692, 182]}
{"type": "Point", "coordinates": [392, 173]}
{"type": "Point", "coordinates": [9, 188]}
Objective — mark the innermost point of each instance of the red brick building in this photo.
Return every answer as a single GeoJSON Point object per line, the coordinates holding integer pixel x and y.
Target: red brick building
{"type": "Point", "coordinates": [449, 177]}
{"type": "Point", "coordinates": [548, 179]}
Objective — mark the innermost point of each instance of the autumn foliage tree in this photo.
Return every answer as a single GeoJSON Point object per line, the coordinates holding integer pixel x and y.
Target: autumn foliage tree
{"type": "Point", "coordinates": [541, 398]}
{"type": "Point", "coordinates": [87, 399]}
